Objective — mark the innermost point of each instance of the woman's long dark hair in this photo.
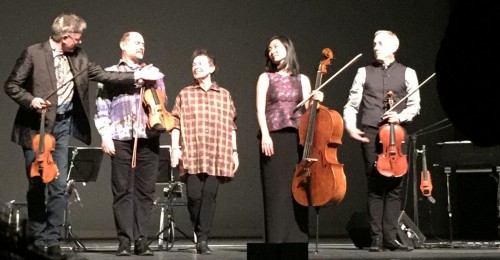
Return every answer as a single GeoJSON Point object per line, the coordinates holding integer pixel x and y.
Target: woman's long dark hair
{"type": "Point", "coordinates": [290, 62]}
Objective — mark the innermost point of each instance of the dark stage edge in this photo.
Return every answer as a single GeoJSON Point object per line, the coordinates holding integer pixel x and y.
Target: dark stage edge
{"type": "Point", "coordinates": [236, 249]}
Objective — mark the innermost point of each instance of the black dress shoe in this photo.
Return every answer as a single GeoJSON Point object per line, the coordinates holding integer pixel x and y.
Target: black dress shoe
{"type": "Point", "coordinates": [141, 247]}
{"type": "Point", "coordinates": [397, 246]}
{"type": "Point", "coordinates": [376, 245]}
{"type": "Point", "coordinates": [123, 248]}
{"type": "Point", "coordinates": [54, 251]}
{"type": "Point", "coordinates": [202, 248]}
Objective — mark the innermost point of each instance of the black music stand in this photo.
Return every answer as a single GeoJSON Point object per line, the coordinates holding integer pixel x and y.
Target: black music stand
{"type": "Point", "coordinates": [174, 195]}
{"type": "Point", "coordinates": [84, 165]}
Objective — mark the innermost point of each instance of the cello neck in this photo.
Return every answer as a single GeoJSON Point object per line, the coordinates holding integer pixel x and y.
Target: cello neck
{"type": "Point", "coordinates": [312, 116]}
{"type": "Point", "coordinates": [327, 59]}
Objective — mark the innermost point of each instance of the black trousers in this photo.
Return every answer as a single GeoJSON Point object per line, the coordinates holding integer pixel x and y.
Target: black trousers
{"type": "Point", "coordinates": [134, 189]}
{"type": "Point", "coordinates": [202, 192]}
{"type": "Point", "coordinates": [384, 193]}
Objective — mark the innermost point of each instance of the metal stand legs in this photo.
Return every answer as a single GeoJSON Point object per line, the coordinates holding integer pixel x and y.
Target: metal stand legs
{"type": "Point", "coordinates": [447, 171]}
{"type": "Point", "coordinates": [166, 241]}
{"type": "Point", "coordinates": [68, 231]}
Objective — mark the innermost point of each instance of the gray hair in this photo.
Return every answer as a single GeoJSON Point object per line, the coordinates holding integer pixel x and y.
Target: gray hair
{"type": "Point", "coordinates": [394, 37]}
{"type": "Point", "coordinates": [67, 23]}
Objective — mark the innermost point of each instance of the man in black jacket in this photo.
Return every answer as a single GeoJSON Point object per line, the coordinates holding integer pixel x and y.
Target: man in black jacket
{"type": "Point", "coordinates": [53, 76]}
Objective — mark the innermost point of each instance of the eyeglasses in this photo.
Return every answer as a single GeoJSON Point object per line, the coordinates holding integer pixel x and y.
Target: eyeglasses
{"type": "Point", "coordinates": [79, 40]}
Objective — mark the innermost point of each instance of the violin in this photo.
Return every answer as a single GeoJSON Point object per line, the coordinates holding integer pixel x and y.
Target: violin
{"type": "Point", "coordinates": [43, 144]}
{"type": "Point", "coordinates": [425, 177]}
{"type": "Point", "coordinates": [319, 178]}
{"type": "Point", "coordinates": [159, 119]}
{"type": "Point", "coordinates": [391, 162]}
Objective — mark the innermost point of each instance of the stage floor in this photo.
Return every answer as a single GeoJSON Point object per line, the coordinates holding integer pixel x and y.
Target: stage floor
{"type": "Point", "coordinates": [236, 249]}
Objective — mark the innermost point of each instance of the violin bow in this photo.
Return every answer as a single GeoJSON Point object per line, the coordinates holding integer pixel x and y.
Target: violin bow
{"type": "Point", "coordinates": [326, 82]}
{"type": "Point", "coordinates": [133, 163]}
{"type": "Point", "coordinates": [404, 98]}
{"type": "Point", "coordinates": [66, 82]}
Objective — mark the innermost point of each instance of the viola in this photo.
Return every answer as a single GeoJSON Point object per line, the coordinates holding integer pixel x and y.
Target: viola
{"type": "Point", "coordinates": [391, 162]}
{"type": "Point", "coordinates": [159, 119]}
{"type": "Point", "coordinates": [319, 178]}
{"type": "Point", "coordinates": [425, 177]}
{"type": "Point", "coordinates": [43, 144]}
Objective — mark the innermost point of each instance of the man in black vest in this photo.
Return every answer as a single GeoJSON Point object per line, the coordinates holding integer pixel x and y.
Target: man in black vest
{"type": "Point", "coordinates": [368, 95]}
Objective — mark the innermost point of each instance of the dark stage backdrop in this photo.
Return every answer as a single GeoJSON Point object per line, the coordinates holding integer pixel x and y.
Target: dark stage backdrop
{"type": "Point", "coordinates": [237, 33]}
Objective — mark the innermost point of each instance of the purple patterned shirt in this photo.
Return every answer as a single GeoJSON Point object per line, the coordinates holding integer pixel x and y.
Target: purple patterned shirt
{"type": "Point", "coordinates": [283, 95]}
{"type": "Point", "coordinates": [116, 108]}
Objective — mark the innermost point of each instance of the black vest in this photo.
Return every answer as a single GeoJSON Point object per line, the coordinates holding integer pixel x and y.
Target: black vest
{"type": "Point", "coordinates": [379, 81]}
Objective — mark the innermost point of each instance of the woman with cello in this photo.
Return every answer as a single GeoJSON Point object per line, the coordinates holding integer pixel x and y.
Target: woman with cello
{"type": "Point", "coordinates": [368, 94]}
{"type": "Point", "coordinates": [279, 90]}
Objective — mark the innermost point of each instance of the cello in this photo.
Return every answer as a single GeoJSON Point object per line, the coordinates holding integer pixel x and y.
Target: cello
{"type": "Point", "coordinates": [43, 145]}
{"type": "Point", "coordinates": [319, 178]}
{"type": "Point", "coordinates": [391, 162]}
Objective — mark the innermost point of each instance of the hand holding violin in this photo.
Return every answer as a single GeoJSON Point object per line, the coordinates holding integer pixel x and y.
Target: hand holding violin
{"type": "Point", "coordinates": [148, 72]}
{"type": "Point", "coordinates": [391, 117]}
{"type": "Point", "coordinates": [39, 103]}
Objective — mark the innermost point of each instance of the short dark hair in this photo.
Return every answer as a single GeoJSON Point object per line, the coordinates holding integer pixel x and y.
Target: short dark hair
{"type": "Point", "coordinates": [204, 52]}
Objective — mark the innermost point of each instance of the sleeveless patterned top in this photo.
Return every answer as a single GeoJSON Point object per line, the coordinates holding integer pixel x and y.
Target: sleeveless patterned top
{"type": "Point", "coordinates": [283, 94]}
